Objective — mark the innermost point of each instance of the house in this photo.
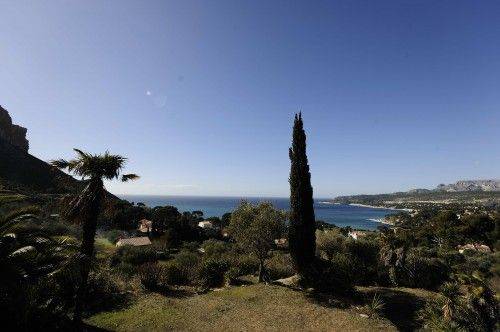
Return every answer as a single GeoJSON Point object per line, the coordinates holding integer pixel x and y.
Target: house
{"type": "Point", "coordinates": [134, 241]}
{"type": "Point", "coordinates": [145, 226]}
{"type": "Point", "coordinates": [205, 224]}
{"type": "Point", "coordinates": [474, 247]}
{"type": "Point", "coordinates": [356, 234]}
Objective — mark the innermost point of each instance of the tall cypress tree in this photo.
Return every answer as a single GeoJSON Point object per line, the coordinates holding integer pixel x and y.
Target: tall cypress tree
{"type": "Point", "coordinates": [302, 236]}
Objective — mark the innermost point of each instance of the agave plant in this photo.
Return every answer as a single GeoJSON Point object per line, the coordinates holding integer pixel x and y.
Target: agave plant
{"type": "Point", "coordinates": [85, 207]}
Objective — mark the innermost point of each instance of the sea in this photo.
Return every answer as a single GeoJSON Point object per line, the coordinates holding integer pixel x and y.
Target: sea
{"type": "Point", "coordinates": [341, 215]}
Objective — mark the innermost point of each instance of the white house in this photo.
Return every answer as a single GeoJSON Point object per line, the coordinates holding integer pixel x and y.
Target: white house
{"type": "Point", "coordinates": [356, 234]}
{"type": "Point", "coordinates": [205, 224]}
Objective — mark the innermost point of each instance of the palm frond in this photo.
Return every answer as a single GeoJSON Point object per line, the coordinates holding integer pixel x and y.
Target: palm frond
{"type": "Point", "coordinates": [129, 177]}
{"type": "Point", "coordinates": [82, 155]}
{"type": "Point", "coordinates": [60, 163]}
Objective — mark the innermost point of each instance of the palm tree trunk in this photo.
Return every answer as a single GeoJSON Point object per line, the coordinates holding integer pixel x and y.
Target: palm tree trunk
{"type": "Point", "coordinates": [87, 206]}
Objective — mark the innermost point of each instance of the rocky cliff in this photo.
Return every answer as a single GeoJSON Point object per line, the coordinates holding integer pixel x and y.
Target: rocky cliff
{"type": "Point", "coordinates": [11, 133]}
{"type": "Point", "coordinates": [21, 171]}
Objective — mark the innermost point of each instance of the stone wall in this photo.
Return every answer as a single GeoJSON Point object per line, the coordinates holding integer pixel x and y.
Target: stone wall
{"type": "Point", "coordinates": [11, 133]}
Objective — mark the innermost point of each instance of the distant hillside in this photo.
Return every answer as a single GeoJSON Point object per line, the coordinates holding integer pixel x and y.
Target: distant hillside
{"type": "Point", "coordinates": [473, 192]}
{"type": "Point", "coordinates": [22, 171]}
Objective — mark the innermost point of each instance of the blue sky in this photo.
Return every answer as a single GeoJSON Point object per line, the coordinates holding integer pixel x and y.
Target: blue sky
{"type": "Point", "coordinates": [200, 95]}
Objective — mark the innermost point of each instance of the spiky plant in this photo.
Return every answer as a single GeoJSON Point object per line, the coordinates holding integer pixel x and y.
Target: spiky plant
{"type": "Point", "coordinates": [85, 207]}
{"type": "Point", "coordinates": [29, 257]}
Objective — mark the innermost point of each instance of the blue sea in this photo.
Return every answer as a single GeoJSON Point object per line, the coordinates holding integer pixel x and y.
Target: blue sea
{"type": "Point", "coordinates": [337, 214]}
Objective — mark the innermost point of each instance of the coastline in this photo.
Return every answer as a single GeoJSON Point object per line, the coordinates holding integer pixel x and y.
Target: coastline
{"type": "Point", "coordinates": [379, 207]}
{"type": "Point", "coordinates": [382, 221]}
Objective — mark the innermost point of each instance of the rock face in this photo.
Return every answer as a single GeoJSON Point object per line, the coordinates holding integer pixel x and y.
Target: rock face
{"type": "Point", "coordinates": [471, 185]}
{"type": "Point", "coordinates": [11, 133]}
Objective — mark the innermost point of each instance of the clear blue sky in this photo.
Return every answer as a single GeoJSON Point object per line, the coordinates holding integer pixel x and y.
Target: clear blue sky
{"type": "Point", "coordinates": [200, 95]}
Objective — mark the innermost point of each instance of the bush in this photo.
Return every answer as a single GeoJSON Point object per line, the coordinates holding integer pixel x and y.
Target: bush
{"type": "Point", "coordinates": [215, 248]}
{"type": "Point", "coordinates": [280, 265]}
{"type": "Point", "coordinates": [246, 264]}
{"type": "Point", "coordinates": [364, 255]}
{"type": "Point", "coordinates": [231, 276]}
{"type": "Point", "coordinates": [182, 269]}
{"type": "Point", "coordinates": [329, 242]}
{"type": "Point", "coordinates": [333, 276]}
{"type": "Point", "coordinates": [104, 293]}
{"type": "Point", "coordinates": [134, 255]}
{"type": "Point", "coordinates": [417, 269]}
{"type": "Point", "coordinates": [151, 275]}
{"type": "Point", "coordinates": [174, 274]}
{"type": "Point", "coordinates": [476, 261]}
{"type": "Point", "coordinates": [211, 272]}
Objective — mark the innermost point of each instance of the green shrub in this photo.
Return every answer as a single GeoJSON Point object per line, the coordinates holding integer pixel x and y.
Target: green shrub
{"type": "Point", "coordinates": [424, 272]}
{"type": "Point", "coordinates": [151, 275]}
{"type": "Point", "coordinates": [215, 248]}
{"type": "Point", "coordinates": [364, 255]}
{"type": "Point", "coordinates": [211, 272]}
{"type": "Point", "coordinates": [190, 246]}
{"type": "Point", "coordinates": [231, 276]}
{"type": "Point", "coordinates": [476, 262]}
{"type": "Point", "coordinates": [246, 264]}
{"type": "Point", "coordinates": [279, 265]}
{"type": "Point", "coordinates": [417, 267]}
{"type": "Point", "coordinates": [182, 269]}
{"type": "Point", "coordinates": [332, 276]}
{"type": "Point", "coordinates": [104, 293]}
{"type": "Point", "coordinates": [174, 274]}
{"type": "Point", "coordinates": [134, 255]}
{"type": "Point", "coordinates": [329, 242]}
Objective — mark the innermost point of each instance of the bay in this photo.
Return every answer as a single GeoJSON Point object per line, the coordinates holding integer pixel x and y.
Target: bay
{"type": "Point", "coordinates": [341, 215]}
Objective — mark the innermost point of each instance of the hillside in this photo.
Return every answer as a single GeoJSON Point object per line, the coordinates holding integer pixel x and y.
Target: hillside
{"type": "Point", "coordinates": [22, 171]}
{"type": "Point", "coordinates": [415, 199]}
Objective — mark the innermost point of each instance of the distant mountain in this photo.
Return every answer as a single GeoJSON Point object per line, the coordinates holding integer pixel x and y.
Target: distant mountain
{"type": "Point", "coordinates": [471, 185]}
{"type": "Point", "coordinates": [20, 170]}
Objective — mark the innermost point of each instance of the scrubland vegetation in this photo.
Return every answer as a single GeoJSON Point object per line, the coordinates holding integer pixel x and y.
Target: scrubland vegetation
{"type": "Point", "coordinates": [59, 263]}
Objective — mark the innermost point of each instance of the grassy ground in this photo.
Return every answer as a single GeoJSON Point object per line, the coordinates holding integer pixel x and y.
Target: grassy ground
{"type": "Point", "coordinates": [104, 248]}
{"type": "Point", "coordinates": [246, 308]}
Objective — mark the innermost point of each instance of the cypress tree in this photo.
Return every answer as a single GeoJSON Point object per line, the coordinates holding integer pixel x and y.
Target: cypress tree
{"type": "Point", "coordinates": [302, 236]}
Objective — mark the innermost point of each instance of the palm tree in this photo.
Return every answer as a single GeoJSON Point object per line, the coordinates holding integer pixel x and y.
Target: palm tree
{"type": "Point", "coordinates": [85, 207]}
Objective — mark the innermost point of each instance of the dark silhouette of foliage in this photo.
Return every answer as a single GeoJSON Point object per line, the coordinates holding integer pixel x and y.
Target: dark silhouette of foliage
{"type": "Point", "coordinates": [85, 207]}
{"type": "Point", "coordinates": [302, 238]}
